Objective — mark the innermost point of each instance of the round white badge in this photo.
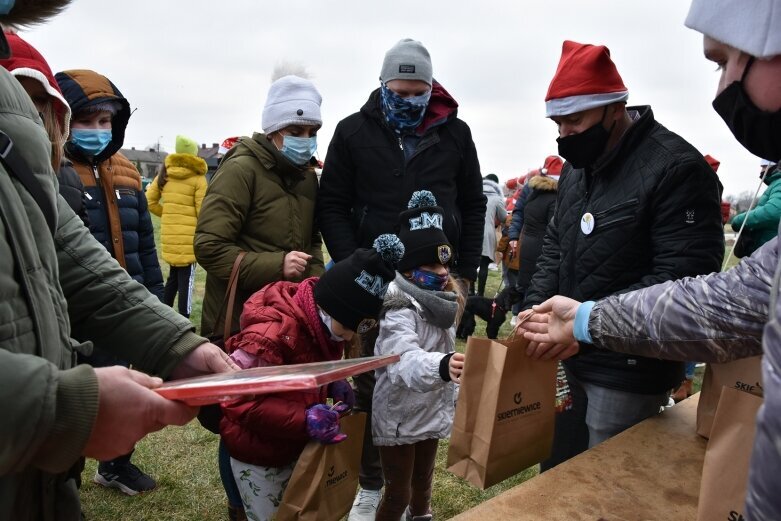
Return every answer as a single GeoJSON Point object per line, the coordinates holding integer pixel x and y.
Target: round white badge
{"type": "Point", "coordinates": [587, 223]}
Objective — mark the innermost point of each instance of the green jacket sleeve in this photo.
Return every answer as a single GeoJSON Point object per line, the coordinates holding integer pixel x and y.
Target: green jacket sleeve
{"type": "Point", "coordinates": [109, 308]}
{"type": "Point", "coordinates": [47, 413]}
{"type": "Point", "coordinates": [768, 211]}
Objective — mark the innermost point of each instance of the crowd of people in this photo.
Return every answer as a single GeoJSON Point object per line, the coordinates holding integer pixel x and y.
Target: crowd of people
{"type": "Point", "coordinates": [604, 248]}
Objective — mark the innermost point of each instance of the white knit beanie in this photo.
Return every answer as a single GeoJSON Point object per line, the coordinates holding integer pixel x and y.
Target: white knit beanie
{"type": "Point", "coordinates": [291, 101]}
{"type": "Point", "coordinates": [753, 27]}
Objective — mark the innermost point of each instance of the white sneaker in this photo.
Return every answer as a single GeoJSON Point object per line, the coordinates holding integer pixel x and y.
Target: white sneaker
{"type": "Point", "coordinates": [365, 505]}
{"type": "Point", "coordinates": [493, 267]}
{"type": "Point", "coordinates": [513, 321]}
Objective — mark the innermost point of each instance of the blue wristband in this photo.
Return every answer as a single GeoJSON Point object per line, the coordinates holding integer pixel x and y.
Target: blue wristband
{"type": "Point", "coordinates": [580, 329]}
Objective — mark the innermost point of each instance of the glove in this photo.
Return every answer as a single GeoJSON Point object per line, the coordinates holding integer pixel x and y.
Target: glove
{"type": "Point", "coordinates": [322, 424]}
{"type": "Point", "coordinates": [737, 221]}
{"type": "Point", "coordinates": [342, 391]}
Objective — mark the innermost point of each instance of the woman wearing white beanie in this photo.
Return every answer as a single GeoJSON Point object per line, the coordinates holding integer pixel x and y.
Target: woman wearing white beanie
{"type": "Point", "coordinates": [262, 201]}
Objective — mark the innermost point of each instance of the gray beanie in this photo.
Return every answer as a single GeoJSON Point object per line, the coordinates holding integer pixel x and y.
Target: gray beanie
{"type": "Point", "coordinates": [291, 101]}
{"type": "Point", "coordinates": [407, 60]}
{"type": "Point", "coordinates": [752, 27]}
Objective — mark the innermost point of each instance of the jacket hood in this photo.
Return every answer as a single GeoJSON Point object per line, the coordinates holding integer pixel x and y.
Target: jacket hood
{"type": "Point", "coordinates": [26, 61]}
{"type": "Point", "coordinates": [773, 175]}
{"type": "Point", "coordinates": [441, 107]}
{"type": "Point", "coordinates": [84, 89]}
{"type": "Point", "coordinates": [491, 187]}
{"type": "Point", "coordinates": [544, 183]}
{"type": "Point", "coordinates": [182, 166]}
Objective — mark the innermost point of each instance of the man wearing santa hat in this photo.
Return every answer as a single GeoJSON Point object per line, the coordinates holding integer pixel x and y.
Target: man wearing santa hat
{"type": "Point", "coordinates": [637, 205]}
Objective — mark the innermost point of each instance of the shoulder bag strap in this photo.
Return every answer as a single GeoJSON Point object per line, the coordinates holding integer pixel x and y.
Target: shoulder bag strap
{"type": "Point", "coordinates": [230, 295]}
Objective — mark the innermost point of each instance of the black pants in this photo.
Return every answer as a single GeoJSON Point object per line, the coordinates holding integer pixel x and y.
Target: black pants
{"type": "Point", "coordinates": [482, 275]}
{"type": "Point", "coordinates": [370, 475]}
{"type": "Point", "coordinates": [181, 280]}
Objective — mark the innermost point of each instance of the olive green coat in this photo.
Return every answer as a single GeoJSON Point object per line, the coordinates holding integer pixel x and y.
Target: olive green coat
{"type": "Point", "coordinates": [260, 203]}
{"type": "Point", "coordinates": [53, 287]}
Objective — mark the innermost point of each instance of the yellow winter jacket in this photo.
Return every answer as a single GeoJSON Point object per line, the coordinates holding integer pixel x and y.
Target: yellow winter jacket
{"type": "Point", "coordinates": [179, 204]}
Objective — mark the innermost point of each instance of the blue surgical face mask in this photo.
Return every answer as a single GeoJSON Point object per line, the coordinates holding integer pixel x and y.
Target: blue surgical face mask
{"type": "Point", "coordinates": [91, 141]}
{"type": "Point", "coordinates": [403, 114]}
{"type": "Point", "coordinates": [429, 280]}
{"type": "Point", "coordinates": [299, 150]}
{"type": "Point", "coordinates": [329, 325]}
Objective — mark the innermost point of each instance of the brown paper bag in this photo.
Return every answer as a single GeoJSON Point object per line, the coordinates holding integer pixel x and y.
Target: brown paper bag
{"type": "Point", "coordinates": [744, 375]}
{"type": "Point", "coordinates": [505, 412]}
{"type": "Point", "coordinates": [325, 478]}
{"type": "Point", "coordinates": [725, 470]}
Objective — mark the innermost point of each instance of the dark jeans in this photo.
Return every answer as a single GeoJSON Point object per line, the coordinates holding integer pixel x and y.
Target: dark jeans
{"type": "Point", "coordinates": [482, 275]}
{"type": "Point", "coordinates": [409, 472]}
{"type": "Point", "coordinates": [226, 476]}
{"type": "Point", "coordinates": [370, 474]}
{"type": "Point", "coordinates": [181, 280]}
{"type": "Point", "coordinates": [512, 282]}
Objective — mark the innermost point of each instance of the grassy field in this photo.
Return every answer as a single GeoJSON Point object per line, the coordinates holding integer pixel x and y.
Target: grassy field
{"type": "Point", "coordinates": [183, 460]}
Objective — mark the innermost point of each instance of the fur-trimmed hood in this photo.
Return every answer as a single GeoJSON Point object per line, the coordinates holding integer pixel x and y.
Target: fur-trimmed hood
{"type": "Point", "coordinates": [544, 183]}
{"type": "Point", "coordinates": [182, 166]}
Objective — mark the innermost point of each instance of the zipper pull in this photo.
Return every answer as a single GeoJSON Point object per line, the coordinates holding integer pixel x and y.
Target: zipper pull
{"type": "Point", "coordinates": [95, 172]}
{"type": "Point", "coordinates": [401, 144]}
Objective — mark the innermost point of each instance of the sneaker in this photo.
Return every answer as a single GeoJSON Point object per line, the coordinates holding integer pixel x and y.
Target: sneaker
{"type": "Point", "coordinates": [127, 478]}
{"type": "Point", "coordinates": [365, 505]}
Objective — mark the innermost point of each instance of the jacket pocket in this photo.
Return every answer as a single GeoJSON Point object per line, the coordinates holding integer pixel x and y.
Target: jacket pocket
{"type": "Point", "coordinates": [617, 207]}
{"type": "Point", "coordinates": [612, 223]}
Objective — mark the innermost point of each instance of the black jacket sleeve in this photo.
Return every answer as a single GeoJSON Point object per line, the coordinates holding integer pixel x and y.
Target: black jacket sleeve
{"type": "Point", "coordinates": [516, 225]}
{"type": "Point", "coordinates": [687, 236]}
{"type": "Point", "coordinates": [335, 199]}
{"type": "Point", "coordinates": [545, 282]}
{"type": "Point", "coordinates": [472, 204]}
{"type": "Point", "coordinates": [153, 276]}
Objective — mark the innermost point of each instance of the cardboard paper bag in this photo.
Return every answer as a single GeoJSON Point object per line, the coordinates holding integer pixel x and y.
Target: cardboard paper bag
{"type": "Point", "coordinates": [505, 412]}
{"type": "Point", "coordinates": [725, 470]}
{"type": "Point", "coordinates": [744, 375]}
{"type": "Point", "coordinates": [325, 478]}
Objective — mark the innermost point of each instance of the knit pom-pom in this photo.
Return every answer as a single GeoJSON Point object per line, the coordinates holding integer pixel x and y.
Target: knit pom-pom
{"type": "Point", "coordinates": [390, 247]}
{"type": "Point", "coordinates": [422, 198]}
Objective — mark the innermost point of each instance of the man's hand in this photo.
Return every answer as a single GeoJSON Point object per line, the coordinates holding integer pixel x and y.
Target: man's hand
{"type": "Point", "coordinates": [294, 265]}
{"type": "Point", "coordinates": [456, 367]}
{"type": "Point", "coordinates": [550, 329]}
{"type": "Point", "coordinates": [128, 410]}
{"type": "Point", "coordinates": [205, 359]}
{"type": "Point", "coordinates": [513, 247]}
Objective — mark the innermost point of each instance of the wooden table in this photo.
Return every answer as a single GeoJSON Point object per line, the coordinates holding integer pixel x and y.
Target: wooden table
{"type": "Point", "coordinates": [649, 472]}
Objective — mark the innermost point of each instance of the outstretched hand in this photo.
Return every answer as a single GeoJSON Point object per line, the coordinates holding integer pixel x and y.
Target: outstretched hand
{"type": "Point", "coordinates": [550, 329]}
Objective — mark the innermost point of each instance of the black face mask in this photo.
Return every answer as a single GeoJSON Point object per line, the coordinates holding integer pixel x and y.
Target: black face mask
{"type": "Point", "coordinates": [583, 149]}
{"type": "Point", "coordinates": [757, 130]}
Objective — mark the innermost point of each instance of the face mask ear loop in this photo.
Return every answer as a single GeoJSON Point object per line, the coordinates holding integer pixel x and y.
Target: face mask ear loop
{"type": "Point", "coordinates": [750, 207]}
{"type": "Point", "coordinates": [748, 66]}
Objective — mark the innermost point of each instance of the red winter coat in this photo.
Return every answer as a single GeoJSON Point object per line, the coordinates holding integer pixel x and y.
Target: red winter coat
{"type": "Point", "coordinates": [279, 325]}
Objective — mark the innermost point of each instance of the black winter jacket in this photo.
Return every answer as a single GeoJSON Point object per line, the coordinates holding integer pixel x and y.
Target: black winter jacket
{"type": "Point", "coordinates": [367, 181]}
{"type": "Point", "coordinates": [72, 190]}
{"type": "Point", "coordinates": [537, 212]}
{"type": "Point", "coordinates": [655, 206]}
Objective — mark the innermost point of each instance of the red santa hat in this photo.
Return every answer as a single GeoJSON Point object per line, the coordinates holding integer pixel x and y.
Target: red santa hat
{"type": "Point", "coordinates": [226, 145]}
{"type": "Point", "coordinates": [586, 78]}
{"type": "Point", "coordinates": [552, 166]}
{"type": "Point", "coordinates": [26, 61]}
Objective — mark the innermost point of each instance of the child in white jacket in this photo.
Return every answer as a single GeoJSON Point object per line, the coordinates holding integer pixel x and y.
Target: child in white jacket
{"type": "Point", "coordinates": [414, 400]}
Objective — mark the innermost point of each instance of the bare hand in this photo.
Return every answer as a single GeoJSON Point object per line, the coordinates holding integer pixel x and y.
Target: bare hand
{"type": "Point", "coordinates": [294, 265]}
{"type": "Point", "coordinates": [456, 367]}
{"type": "Point", "coordinates": [550, 329]}
{"type": "Point", "coordinates": [205, 359]}
{"type": "Point", "coordinates": [513, 247]}
{"type": "Point", "coordinates": [128, 410]}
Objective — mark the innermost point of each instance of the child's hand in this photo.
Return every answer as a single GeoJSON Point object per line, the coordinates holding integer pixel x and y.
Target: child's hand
{"type": "Point", "coordinates": [322, 424]}
{"type": "Point", "coordinates": [456, 367]}
{"type": "Point", "coordinates": [342, 391]}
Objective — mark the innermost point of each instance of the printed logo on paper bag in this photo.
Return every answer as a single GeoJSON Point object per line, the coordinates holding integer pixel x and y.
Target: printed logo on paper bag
{"type": "Point", "coordinates": [735, 516]}
{"type": "Point", "coordinates": [755, 389]}
{"type": "Point", "coordinates": [333, 478]}
{"type": "Point", "coordinates": [515, 413]}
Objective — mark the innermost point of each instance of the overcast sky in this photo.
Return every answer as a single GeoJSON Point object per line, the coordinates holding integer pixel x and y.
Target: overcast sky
{"type": "Point", "coordinates": [202, 68]}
